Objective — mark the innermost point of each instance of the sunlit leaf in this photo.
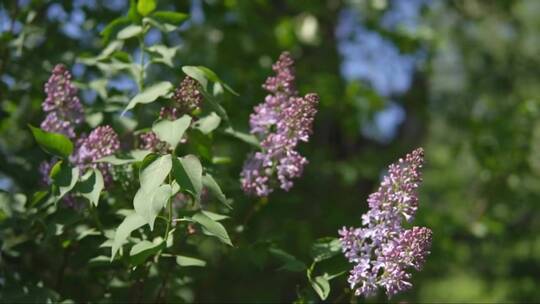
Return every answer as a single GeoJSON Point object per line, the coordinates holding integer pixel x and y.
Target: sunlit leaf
{"type": "Point", "coordinates": [171, 132]}
{"type": "Point", "coordinates": [154, 170]}
{"type": "Point", "coordinates": [132, 222]}
{"type": "Point", "coordinates": [185, 261]}
{"type": "Point", "coordinates": [129, 31]}
{"type": "Point", "coordinates": [53, 143]}
{"type": "Point", "coordinates": [113, 27]}
{"type": "Point", "coordinates": [212, 228]}
{"type": "Point", "coordinates": [145, 7]}
{"type": "Point", "coordinates": [149, 204]}
{"type": "Point", "coordinates": [149, 95]}
{"type": "Point", "coordinates": [208, 123]}
{"type": "Point", "coordinates": [170, 17]}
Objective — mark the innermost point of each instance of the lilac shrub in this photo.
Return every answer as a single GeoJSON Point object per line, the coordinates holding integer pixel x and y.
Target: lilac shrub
{"type": "Point", "coordinates": [382, 251]}
{"type": "Point", "coordinates": [282, 121]}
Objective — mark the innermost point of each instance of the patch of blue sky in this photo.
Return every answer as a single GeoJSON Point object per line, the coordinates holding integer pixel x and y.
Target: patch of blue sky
{"type": "Point", "coordinates": [369, 57]}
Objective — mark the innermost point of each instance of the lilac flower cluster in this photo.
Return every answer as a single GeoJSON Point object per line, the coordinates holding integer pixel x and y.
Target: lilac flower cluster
{"type": "Point", "coordinates": [101, 142]}
{"type": "Point", "coordinates": [188, 96]}
{"type": "Point", "coordinates": [64, 109]}
{"type": "Point", "coordinates": [383, 250]}
{"type": "Point", "coordinates": [281, 122]}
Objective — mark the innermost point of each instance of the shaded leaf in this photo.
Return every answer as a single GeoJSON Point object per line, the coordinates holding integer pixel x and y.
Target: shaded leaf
{"type": "Point", "coordinates": [247, 138]}
{"type": "Point", "coordinates": [210, 183]}
{"type": "Point", "coordinates": [64, 177]}
{"type": "Point", "coordinates": [113, 27]}
{"type": "Point", "coordinates": [290, 263]}
{"type": "Point", "coordinates": [187, 172]}
{"type": "Point", "coordinates": [91, 186]}
{"type": "Point", "coordinates": [321, 285]}
{"type": "Point", "coordinates": [325, 248]}
{"type": "Point", "coordinates": [141, 251]}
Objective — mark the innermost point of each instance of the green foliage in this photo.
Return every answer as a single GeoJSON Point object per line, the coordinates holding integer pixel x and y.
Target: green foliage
{"type": "Point", "coordinates": [171, 132]}
{"type": "Point", "coordinates": [53, 143]}
{"type": "Point", "coordinates": [91, 185]}
{"type": "Point", "coordinates": [149, 95]}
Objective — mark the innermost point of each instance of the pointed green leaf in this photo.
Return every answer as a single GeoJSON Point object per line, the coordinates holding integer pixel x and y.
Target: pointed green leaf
{"type": "Point", "coordinates": [132, 222]}
{"type": "Point", "coordinates": [170, 17]}
{"type": "Point", "coordinates": [149, 204]}
{"type": "Point", "coordinates": [290, 263]}
{"type": "Point", "coordinates": [64, 177]}
{"type": "Point", "coordinates": [141, 251]}
{"type": "Point", "coordinates": [129, 32]}
{"type": "Point", "coordinates": [215, 216]}
{"type": "Point", "coordinates": [185, 261]}
{"type": "Point", "coordinates": [187, 172]}
{"type": "Point", "coordinates": [145, 7]}
{"type": "Point", "coordinates": [53, 143]}
{"type": "Point", "coordinates": [212, 228]}
{"type": "Point", "coordinates": [171, 132]}
{"type": "Point", "coordinates": [110, 29]}
{"type": "Point", "coordinates": [154, 170]}
{"type": "Point", "coordinates": [208, 123]}
{"type": "Point", "coordinates": [149, 95]}
{"type": "Point", "coordinates": [321, 285]}
{"type": "Point", "coordinates": [325, 248]}
{"type": "Point", "coordinates": [247, 138]}
{"type": "Point", "coordinates": [91, 186]}
{"type": "Point", "coordinates": [210, 183]}
{"type": "Point", "coordinates": [166, 54]}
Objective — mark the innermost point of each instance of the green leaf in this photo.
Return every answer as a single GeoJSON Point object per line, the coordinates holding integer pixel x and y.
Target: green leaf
{"type": "Point", "coordinates": [149, 204]}
{"type": "Point", "coordinates": [185, 261]}
{"type": "Point", "coordinates": [52, 143]}
{"type": "Point", "coordinates": [145, 7]}
{"type": "Point", "coordinates": [132, 222]}
{"type": "Point", "coordinates": [210, 183]}
{"type": "Point", "coordinates": [64, 177]}
{"type": "Point", "coordinates": [141, 251]}
{"type": "Point", "coordinates": [247, 138]}
{"type": "Point", "coordinates": [290, 263]}
{"type": "Point", "coordinates": [171, 132]}
{"type": "Point", "coordinates": [166, 54]}
{"type": "Point", "coordinates": [321, 285]}
{"type": "Point", "coordinates": [203, 74]}
{"type": "Point", "coordinates": [187, 172]}
{"type": "Point", "coordinates": [154, 170]}
{"type": "Point", "coordinates": [214, 216]}
{"type": "Point", "coordinates": [133, 14]}
{"type": "Point", "coordinates": [129, 31]}
{"type": "Point", "coordinates": [110, 29]}
{"type": "Point", "coordinates": [133, 157]}
{"type": "Point", "coordinates": [91, 186]}
{"type": "Point", "coordinates": [170, 17]}
{"type": "Point", "coordinates": [208, 123]}
{"type": "Point", "coordinates": [149, 95]}
{"type": "Point", "coordinates": [325, 248]}
{"type": "Point", "coordinates": [212, 228]}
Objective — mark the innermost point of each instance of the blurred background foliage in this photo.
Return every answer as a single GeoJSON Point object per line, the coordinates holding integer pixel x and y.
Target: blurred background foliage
{"type": "Point", "coordinates": [459, 78]}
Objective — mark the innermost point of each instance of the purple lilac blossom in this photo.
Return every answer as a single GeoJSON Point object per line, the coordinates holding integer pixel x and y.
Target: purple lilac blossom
{"type": "Point", "coordinates": [280, 122]}
{"type": "Point", "coordinates": [101, 142]}
{"type": "Point", "coordinates": [382, 251]}
{"type": "Point", "coordinates": [187, 97]}
{"type": "Point", "coordinates": [63, 106]}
